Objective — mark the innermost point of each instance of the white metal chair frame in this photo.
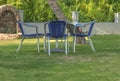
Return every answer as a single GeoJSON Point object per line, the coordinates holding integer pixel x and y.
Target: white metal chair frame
{"type": "Point", "coordinates": [48, 37]}
{"type": "Point", "coordinates": [88, 34]}
{"type": "Point", "coordinates": [30, 34]}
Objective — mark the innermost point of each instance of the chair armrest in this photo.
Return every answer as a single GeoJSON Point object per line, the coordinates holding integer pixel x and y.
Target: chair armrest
{"type": "Point", "coordinates": [28, 25]}
{"type": "Point", "coordinates": [29, 29]}
{"type": "Point", "coordinates": [83, 25]}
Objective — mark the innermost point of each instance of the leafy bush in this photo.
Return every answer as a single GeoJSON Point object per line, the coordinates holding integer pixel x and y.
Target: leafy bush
{"type": "Point", "coordinates": [40, 11]}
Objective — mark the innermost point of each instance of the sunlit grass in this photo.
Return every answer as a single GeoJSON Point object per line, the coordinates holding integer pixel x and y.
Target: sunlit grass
{"type": "Point", "coordinates": [84, 65]}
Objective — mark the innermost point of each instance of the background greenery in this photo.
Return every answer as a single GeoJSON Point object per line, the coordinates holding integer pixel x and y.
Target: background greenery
{"type": "Point", "coordinates": [39, 10]}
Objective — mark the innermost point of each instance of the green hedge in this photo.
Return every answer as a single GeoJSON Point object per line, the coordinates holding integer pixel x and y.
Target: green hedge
{"type": "Point", "coordinates": [39, 10]}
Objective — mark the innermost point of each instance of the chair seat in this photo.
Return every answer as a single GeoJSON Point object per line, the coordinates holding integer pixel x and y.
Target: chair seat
{"type": "Point", "coordinates": [33, 35]}
{"type": "Point", "coordinates": [50, 35]}
{"type": "Point", "coordinates": [80, 35]}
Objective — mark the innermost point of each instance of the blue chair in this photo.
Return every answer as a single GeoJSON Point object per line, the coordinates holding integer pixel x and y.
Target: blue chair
{"type": "Point", "coordinates": [86, 33]}
{"type": "Point", "coordinates": [28, 31]}
{"type": "Point", "coordinates": [56, 30]}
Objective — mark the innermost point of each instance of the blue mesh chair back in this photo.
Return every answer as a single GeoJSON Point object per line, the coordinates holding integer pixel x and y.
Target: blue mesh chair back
{"type": "Point", "coordinates": [57, 28]}
{"type": "Point", "coordinates": [91, 27]}
{"type": "Point", "coordinates": [56, 31]}
{"type": "Point", "coordinates": [21, 28]}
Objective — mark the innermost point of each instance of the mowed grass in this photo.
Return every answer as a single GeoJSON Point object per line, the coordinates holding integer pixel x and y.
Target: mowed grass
{"type": "Point", "coordinates": [84, 65]}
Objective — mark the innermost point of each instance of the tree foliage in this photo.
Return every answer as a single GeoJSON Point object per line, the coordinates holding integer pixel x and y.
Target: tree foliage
{"type": "Point", "coordinates": [39, 10]}
{"type": "Point", "coordinates": [100, 10]}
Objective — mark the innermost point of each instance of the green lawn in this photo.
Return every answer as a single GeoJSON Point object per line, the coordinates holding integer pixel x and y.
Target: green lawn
{"type": "Point", "coordinates": [84, 65]}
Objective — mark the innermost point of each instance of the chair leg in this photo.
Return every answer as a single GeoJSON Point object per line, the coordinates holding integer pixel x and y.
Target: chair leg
{"type": "Point", "coordinates": [61, 41]}
{"type": "Point", "coordinates": [48, 45]}
{"type": "Point", "coordinates": [20, 45]}
{"type": "Point", "coordinates": [38, 44]}
{"type": "Point", "coordinates": [56, 43]}
{"type": "Point", "coordinates": [91, 44]}
{"type": "Point", "coordinates": [74, 43]}
{"type": "Point", "coordinates": [66, 46]}
{"type": "Point", "coordinates": [45, 43]}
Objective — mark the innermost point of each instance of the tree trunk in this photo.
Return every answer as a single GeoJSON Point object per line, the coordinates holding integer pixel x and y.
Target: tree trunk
{"type": "Point", "coordinates": [57, 10]}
